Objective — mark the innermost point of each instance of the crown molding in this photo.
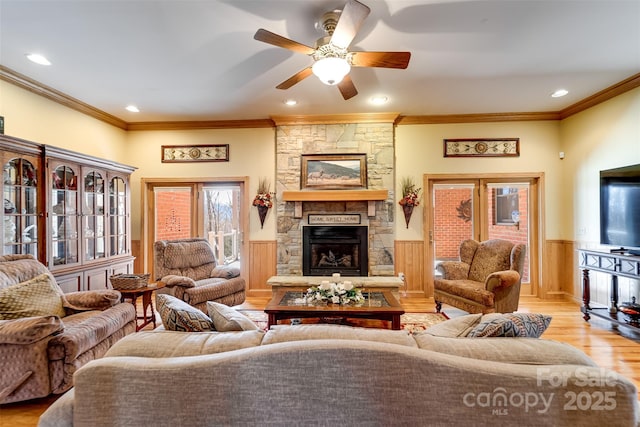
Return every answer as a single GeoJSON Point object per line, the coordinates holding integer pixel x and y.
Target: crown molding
{"type": "Point", "coordinates": [335, 119]}
{"type": "Point", "coordinates": [54, 95]}
{"type": "Point", "coordinates": [602, 96]}
{"type": "Point", "coordinates": [206, 124]}
{"type": "Point", "coordinates": [477, 118]}
{"type": "Point", "coordinates": [51, 94]}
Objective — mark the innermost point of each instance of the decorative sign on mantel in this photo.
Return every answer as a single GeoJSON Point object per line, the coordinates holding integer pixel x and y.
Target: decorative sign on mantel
{"type": "Point", "coordinates": [333, 219]}
{"type": "Point", "coordinates": [195, 153]}
{"type": "Point", "coordinates": [484, 147]}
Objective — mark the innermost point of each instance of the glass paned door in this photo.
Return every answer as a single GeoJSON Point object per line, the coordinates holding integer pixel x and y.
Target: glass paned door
{"type": "Point", "coordinates": [64, 216]}
{"type": "Point", "coordinates": [118, 212]}
{"type": "Point", "coordinates": [508, 215]}
{"type": "Point", "coordinates": [453, 219]}
{"type": "Point", "coordinates": [482, 209]}
{"type": "Point", "coordinates": [93, 216]}
{"type": "Point", "coordinates": [222, 221]}
{"type": "Point", "coordinates": [20, 234]}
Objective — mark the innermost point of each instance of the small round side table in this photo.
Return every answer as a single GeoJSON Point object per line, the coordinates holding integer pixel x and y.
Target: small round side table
{"type": "Point", "coordinates": [147, 303]}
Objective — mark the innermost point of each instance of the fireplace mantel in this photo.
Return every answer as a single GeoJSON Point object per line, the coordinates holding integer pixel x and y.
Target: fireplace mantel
{"type": "Point", "coordinates": [370, 196]}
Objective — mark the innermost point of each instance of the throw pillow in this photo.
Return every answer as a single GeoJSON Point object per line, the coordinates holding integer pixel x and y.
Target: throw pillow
{"type": "Point", "coordinates": [177, 315]}
{"type": "Point", "coordinates": [456, 327]}
{"type": "Point", "coordinates": [39, 296]}
{"type": "Point", "coordinates": [227, 319]}
{"type": "Point", "coordinates": [530, 325]}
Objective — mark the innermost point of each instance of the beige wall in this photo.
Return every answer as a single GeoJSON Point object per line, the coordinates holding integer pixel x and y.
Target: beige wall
{"type": "Point", "coordinates": [419, 150]}
{"type": "Point", "coordinates": [35, 118]}
{"type": "Point", "coordinates": [251, 154]}
{"type": "Point", "coordinates": [603, 137]}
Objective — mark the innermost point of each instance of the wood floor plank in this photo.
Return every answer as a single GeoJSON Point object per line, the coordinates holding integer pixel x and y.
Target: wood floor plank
{"type": "Point", "coordinates": [604, 343]}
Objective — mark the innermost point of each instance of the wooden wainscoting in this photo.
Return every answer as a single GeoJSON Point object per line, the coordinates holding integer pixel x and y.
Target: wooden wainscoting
{"type": "Point", "coordinates": [409, 259]}
{"type": "Point", "coordinates": [559, 267]}
{"type": "Point", "coordinates": [262, 265]}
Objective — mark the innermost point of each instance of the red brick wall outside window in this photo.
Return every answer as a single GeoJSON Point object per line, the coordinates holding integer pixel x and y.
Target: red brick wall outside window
{"type": "Point", "coordinates": [173, 215]}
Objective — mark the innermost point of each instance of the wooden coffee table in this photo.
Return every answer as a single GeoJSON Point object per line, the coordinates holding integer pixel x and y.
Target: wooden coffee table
{"type": "Point", "coordinates": [379, 304]}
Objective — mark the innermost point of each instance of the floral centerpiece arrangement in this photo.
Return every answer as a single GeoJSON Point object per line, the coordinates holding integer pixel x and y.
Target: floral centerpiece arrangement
{"type": "Point", "coordinates": [336, 293]}
{"type": "Point", "coordinates": [410, 194]}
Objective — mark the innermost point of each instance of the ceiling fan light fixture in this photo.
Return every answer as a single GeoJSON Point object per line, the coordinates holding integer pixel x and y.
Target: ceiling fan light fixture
{"type": "Point", "coordinates": [331, 70]}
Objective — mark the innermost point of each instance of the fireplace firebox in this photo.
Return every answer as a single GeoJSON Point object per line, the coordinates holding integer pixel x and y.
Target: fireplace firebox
{"type": "Point", "coordinates": [335, 249]}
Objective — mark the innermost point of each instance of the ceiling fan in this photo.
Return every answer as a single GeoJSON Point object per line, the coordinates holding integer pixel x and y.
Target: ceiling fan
{"type": "Point", "coordinates": [332, 59]}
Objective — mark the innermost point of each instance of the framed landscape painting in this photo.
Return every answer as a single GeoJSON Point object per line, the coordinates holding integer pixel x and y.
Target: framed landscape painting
{"type": "Point", "coordinates": [333, 171]}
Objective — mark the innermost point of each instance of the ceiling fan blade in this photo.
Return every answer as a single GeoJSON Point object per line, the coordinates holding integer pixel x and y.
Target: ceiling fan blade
{"type": "Point", "coordinates": [296, 78]}
{"type": "Point", "coordinates": [347, 88]}
{"type": "Point", "coordinates": [381, 59]}
{"type": "Point", "coordinates": [351, 19]}
{"type": "Point", "coordinates": [276, 40]}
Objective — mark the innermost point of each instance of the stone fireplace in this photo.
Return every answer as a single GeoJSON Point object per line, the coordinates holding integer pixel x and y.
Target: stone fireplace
{"type": "Point", "coordinates": [335, 249]}
{"type": "Point", "coordinates": [375, 253]}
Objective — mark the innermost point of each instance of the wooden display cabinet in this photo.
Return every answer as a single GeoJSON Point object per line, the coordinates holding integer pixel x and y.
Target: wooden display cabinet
{"type": "Point", "coordinates": [70, 210]}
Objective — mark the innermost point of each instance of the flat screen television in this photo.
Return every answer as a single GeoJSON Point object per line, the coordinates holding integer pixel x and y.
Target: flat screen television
{"type": "Point", "coordinates": [620, 209]}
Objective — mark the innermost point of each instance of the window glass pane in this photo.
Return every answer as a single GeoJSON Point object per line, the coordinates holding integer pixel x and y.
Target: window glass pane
{"type": "Point", "coordinates": [173, 213]}
{"type": "Point", "coordinates": [453, 219]}
{"type": "Point", "coordinates": [509, 206]}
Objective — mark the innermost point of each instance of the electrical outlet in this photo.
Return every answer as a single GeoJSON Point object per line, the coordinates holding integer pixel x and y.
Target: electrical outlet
{"type": "Point", "coordinates": [401, 276]}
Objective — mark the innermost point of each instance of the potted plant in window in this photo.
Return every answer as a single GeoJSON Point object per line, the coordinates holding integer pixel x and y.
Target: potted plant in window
{"type": "Point", "coordinates": [263, 200]}
{"type": "Point", "coordinates": [410, 196]}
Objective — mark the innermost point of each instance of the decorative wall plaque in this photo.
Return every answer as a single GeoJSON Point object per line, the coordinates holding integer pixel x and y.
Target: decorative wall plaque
{"type": "Point", "coordinates": [333, 219]}
{"type": "Point", "coordinates": [195, 153]}
{"type": "Point", "coordinates": [485, 147]}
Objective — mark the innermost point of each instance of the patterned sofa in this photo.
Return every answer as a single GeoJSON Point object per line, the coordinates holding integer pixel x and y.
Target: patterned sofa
{"type": "Point", "coordinates": [339, 375]}
{"type": "Point", "coordinates": [189, 270]}
{"type": "Point", "coordinates": [46, 335]}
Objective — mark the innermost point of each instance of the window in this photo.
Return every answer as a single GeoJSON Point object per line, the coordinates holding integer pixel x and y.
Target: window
{"type": "Point", "coordinates": [506, 206]}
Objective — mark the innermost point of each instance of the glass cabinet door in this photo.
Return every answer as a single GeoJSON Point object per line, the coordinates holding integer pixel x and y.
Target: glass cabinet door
{"type": "Point", "coordinates": [93, 216]}
{"type": "Point", "coordinates": [118, 213]}
{"type": "Point", "coordinates": [19, 219]}
{"type": "Point", "coordinates": [64, 215]}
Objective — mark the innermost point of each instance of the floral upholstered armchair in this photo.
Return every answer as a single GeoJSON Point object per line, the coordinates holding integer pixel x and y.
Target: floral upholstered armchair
{"type": "Point", "coordinates": [46, 335]}
{"type": "Point", "coordinates": [486, 279]}
{"type": "Point", "coordinates": [189, 271]}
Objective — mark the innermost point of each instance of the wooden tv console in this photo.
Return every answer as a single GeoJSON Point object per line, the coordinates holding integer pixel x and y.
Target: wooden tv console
{"type": "Point", "coordinates": [617, 265]}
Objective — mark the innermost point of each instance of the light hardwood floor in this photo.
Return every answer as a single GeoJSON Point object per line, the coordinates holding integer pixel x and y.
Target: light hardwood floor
{"type": "Point", "coordinates": [601, 341]}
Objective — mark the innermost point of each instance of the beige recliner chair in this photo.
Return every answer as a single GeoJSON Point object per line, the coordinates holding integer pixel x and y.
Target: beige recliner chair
{"type": "Point", "coordinates": [189, 271]}
{"type": "Point", "coordinates": [486, 279]}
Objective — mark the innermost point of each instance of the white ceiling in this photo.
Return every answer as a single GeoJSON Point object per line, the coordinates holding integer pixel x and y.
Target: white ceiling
{"type": "Point", "coordinates": [197, 60]}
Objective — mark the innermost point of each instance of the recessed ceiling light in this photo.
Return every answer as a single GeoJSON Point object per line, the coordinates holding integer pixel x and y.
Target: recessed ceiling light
{"type": "Point", "coordinates": [379, 100]}
{"type": "Point", "coordinates": [558, 93]}
{"type": "Point", "coordinates": [38, 59]}
{"type": "Point", "coordinates": [133, 109]}
{"type": "Point", "coordinates": [290, 102]}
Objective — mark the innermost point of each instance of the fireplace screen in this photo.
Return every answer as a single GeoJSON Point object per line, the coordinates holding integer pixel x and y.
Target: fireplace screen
{"type": "Point", "coordinates": [338, 249]}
